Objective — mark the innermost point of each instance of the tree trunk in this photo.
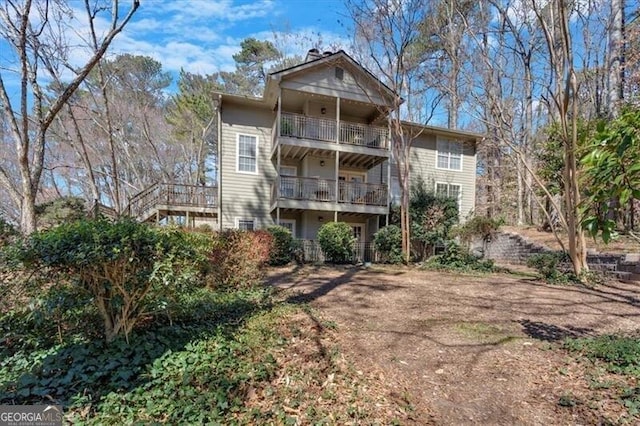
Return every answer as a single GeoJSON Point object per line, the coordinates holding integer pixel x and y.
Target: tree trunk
{"type": "Point", "coordinates": [616, 57]}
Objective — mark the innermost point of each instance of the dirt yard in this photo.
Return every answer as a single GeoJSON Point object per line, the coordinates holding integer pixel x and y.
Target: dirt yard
{"type": "Point", "coordinates": [469, 349]}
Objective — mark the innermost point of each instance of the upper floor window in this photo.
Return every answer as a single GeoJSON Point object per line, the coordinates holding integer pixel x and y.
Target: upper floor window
{"type": "Point", "coordinates": [247, 154]}
{"type": "Point", "coordinates": [449, 155]}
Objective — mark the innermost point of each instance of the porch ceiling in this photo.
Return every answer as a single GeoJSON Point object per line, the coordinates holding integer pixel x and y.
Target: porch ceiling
{"type": "Point", "coordinates": [355, 160]}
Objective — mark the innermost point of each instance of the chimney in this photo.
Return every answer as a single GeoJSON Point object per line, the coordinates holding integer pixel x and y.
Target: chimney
{"type": "Point", "coordinates": [312, 55]}
{"type": "Point", "coordinates": [327, 53]}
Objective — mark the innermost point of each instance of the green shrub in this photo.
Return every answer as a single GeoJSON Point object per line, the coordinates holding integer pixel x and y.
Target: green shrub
{"type": "Point", "coordinates": [61, 210]}
{"type": "Point", "coordinates": [458, 258]}
{"type": "Point", "coordinates": [478, 227]}
{"type": "Point", "coordinates": [282, 245]}
{"type": "Point", "coordinates": [621, 354]}
{"type": "Point", "coordinates": [548, 266]}
{"type": "Point", "coordinates": [238, 257]}
{"type": "Point", "coordinates": [431, 216]}
{"type": "Point", "coordinates": [388, 242]}
{"type": "Point", "coordinates": [116, 263]}
{"type": "Point", "coordinates": [336, 241]}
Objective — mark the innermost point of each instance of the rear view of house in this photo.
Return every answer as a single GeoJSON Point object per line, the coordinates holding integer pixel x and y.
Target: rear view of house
{"type": "Point", "coordinates": [316, 148]}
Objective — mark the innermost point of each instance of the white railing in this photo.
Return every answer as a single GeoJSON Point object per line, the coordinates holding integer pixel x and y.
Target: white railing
{"type": "Point", "coordinates": [301, 126]}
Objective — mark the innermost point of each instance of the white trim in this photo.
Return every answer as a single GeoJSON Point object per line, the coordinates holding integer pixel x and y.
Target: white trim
{"type": "Point", "coordinates": [244, 219]}
{"type": "Point", "coordinates": [238, 153]}
{"type": "Point", "coordinates": [440, 140]}
{"type": "Point", "coordinates": [293, 225]}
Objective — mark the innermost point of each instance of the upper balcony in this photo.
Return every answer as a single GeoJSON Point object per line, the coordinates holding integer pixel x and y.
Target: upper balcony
{"type": "Point", "coordinates": [330, 134]}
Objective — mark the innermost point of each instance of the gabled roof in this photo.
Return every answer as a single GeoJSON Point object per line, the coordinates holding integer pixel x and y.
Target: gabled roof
{"type": "Point", "coordinates": [340, 56]}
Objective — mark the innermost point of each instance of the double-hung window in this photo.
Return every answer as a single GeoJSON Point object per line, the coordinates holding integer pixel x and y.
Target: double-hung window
{"type": "Point", "coordinates": [449, 155]}
{"type": "Point", "coordinates": [247, 154]}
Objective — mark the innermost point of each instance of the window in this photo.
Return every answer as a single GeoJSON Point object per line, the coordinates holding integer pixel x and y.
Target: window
{"type": "Point", "coordinates": [247, 154]}
{"type": "Point", "coordinates": [450, 190]}
{"type": "Point", "coordinates": [290, 224]}
{"type": "Point", "coordinates": [449, 155]}
{"type": "Point", "coordinates": [339, 73]}
{"type": "Point", "coordinates": [245, 224]}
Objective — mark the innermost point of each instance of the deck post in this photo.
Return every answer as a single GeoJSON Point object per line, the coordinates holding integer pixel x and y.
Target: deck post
{"type": "Point", "coordinates": [337, 176]}
{"type": "Point", "coordinates": [187, 223]}
{"type": "Point", "coordinates": [338, 120]}
{"type": "Point", "coordinates": [157, 217]}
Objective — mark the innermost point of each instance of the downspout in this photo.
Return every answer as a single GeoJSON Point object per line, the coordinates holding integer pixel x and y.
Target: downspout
{"type": "Point", "coordinates": [219, 159]}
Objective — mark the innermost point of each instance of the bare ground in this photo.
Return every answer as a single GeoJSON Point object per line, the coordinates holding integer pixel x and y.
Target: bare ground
{"type": "Point", "coordinates": [470, 349]}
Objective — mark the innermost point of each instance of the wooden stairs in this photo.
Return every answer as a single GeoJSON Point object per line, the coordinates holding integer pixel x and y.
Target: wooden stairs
{"type": "Point", "coordinates": [166, 200]}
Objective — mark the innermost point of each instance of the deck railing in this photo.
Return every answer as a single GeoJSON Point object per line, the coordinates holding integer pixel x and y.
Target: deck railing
{"type": "Point", "coordinates": [305, 188]}
{"type": "Point", "coordinates": [301, 126]}
{"type": "Point", "coordinates": [369, 194]}
{"type": "Point", "coordinates": [317, 189]}
{"type": "Point", "coordinates": [172, 194]}
{"type": "Point", "coordinates": [321, 129]}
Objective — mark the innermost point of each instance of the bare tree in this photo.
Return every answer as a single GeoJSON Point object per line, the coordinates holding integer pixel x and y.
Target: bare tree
{"type": "Point", "coordinates": [389, 36]}
{"type": "Point", "coordinates": [563, 90]}
{"type": "Point", "coordinates": [36, 31]}
{"type": "Point", "coordinates": [616, 58]}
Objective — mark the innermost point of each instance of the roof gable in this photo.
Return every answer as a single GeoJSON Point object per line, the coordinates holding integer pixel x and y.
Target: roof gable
{"type": "Point", "coordinates": [336, 74]}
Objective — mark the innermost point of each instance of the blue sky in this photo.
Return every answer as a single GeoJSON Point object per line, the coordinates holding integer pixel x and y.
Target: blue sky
{"type": "Point", "coordinates": [202, 35]}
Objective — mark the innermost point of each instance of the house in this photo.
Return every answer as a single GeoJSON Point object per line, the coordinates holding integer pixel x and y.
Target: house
{"type": "Point", "coordinates": [315, 148]}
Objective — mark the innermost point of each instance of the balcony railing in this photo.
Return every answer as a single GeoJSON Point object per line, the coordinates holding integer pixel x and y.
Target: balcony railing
{"type": "Point", "coordinates": [320, 129]}
{"type": "Point", "coordinates": [362, 193]}
{"type": "Point", "coordinates": [309, 189]}
{"type": "Point", "coordinates": [301, 126]}
{"type": "Point", "coordinates": [317, 189]}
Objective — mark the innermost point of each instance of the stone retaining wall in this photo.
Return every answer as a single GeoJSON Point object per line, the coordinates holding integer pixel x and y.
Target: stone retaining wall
{"type": "Point", "coordinates": [514, 249]}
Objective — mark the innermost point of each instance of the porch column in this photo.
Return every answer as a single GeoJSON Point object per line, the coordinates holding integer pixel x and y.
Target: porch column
{"type": "Point", "coordinates": [219, 160]}
{"type": "Point", "coordinates": [278, 115]}
{"type": "Point", "coordinates": [338, 119]}
{"type": "Point", "coordinates": [277, 185]}
{"type": "Point", "coordinates": [337, 176]}
{"type": "Point", "coordinates": [187, 223]}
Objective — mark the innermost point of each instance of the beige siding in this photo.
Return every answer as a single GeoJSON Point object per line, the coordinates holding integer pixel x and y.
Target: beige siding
{"type": "Point", "coordinates": [322, 80]}
{"type": "Point", "coordinates": [423, 163]}
{"type": "Point", "coordinates": [244, 195]}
